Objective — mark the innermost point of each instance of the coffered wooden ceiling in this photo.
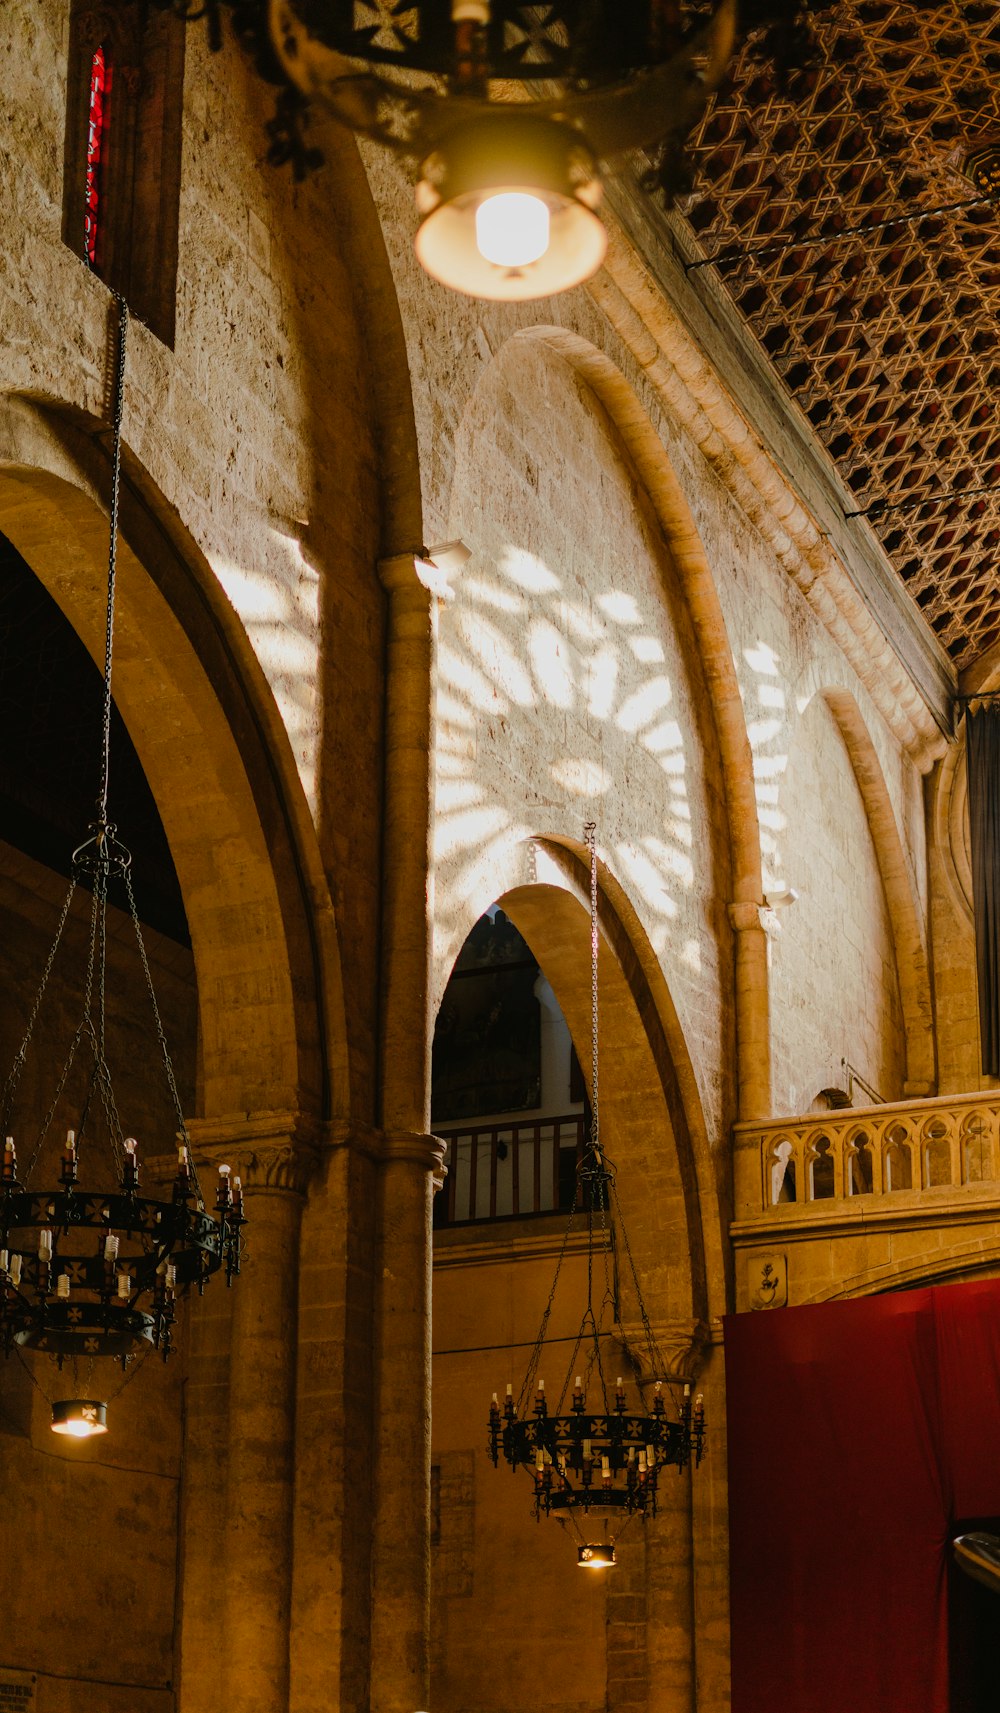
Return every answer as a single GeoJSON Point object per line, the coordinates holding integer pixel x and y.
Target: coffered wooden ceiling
{"type": "Point", "coordinates": [888, 337]}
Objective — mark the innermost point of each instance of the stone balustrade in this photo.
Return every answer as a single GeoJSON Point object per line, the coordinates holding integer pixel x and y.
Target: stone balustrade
{"type": "Point", "coordinates": [912, 1150]}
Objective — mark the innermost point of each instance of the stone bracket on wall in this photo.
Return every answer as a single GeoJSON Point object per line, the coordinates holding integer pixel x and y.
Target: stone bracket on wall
{"type": "Point", "coordinates": [682, 1344]}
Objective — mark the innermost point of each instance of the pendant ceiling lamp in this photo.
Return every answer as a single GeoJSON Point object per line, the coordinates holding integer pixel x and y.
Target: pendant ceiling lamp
{"type": "Point", "coordinates": [590, 1447]}
{"type": "Point", "coordinates": [507, 113]}
{"type": "Point", "coordinates": [90, 1266]}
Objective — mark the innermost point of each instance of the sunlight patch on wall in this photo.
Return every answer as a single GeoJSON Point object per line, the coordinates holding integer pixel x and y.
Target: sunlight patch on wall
{"type": "Point", "coordinates": [497, 658]}
{"type": "Point", "coordinates": [599, 681]}
{"type": "Point", "coordinates": [647, 878]}
{"type": "Point", "coordinates": [528, 572]}
{"type": "Point", "coordinates": [547, 650]}
{"type": "Point", "coordinates": [762, 660]}
{"type": "Point", "coordinates": [455, 713]}
{"type": "Point", "coordinates": [620, 607]}
{"type": "Point", "coordinates": [457, 794]}
{"type": "Point", "coordinates": [463, 676]}
{"type": "Point", "coordinates": [278, 607]}
{"type": "Point", "coordinates": [490, 596]}
{"type": "Point", "coordinates": [648, 649]}
{"type": "Point", "coordinates": [464, 831]}
{"type": "Point", "coordinates": [673, 862]}
{"type": "Point", "coordinates": [582, 778]}
{"type": "Point", "coordinates": [644, 704]}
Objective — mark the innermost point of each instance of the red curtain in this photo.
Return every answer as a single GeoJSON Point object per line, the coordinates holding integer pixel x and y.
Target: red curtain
{"type": "Point", "coordinates": [860, 1433]}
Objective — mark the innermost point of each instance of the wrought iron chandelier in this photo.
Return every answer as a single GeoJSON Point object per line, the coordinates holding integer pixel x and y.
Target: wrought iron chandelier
{"type": "Point", "coordinates": [510, 112]}
{"type": "Point", "coordinates": [89, 1273]}
{"type": "Point", "coordinates": [598, 1454]}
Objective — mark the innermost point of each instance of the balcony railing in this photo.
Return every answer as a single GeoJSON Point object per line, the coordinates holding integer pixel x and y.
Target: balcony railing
{"type": "Point", "coordinates": [917, 1146]}
{"type": "Point", "coordinates": [510, 1171]}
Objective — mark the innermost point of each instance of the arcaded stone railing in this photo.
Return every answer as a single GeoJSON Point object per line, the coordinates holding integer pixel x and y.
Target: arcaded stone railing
{"type": "Point", "coordinates": [951, 1142]}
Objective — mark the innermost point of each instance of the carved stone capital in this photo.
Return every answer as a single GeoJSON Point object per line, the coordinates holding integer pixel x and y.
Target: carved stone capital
{"type": "Point", "coordinates": [746, 915]}
{"type": "Point", "coordinates": [426, 1151]}
{"type": "Point", "coordinates": [681, 1343]}
{"type": "Point", "coordinates": [273, 1152]}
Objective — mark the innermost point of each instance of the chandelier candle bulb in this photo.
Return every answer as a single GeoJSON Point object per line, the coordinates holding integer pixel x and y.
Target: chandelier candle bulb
{"type": "Point", "coordinates": [9, 1160]}
{"type": "Point", "coordinates": [62, 1286]}
{"type": "Point", "coordinates": [45, 1244]}
{"type": "Point", "coordinates": [3, 1260]}
{"type": "Point", "coordinates": [111, 1247]}
{"type": "Point", "coordinates": [15, 1270]}
{"type": "Point", "coordinates": [124, 1285]}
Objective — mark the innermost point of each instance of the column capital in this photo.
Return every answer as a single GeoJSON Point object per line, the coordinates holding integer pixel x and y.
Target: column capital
{"type": "Point", "coordinates": [681, 1343]}
{"type": "Point", "coordinates": [426, 1151]}
{"type": "Point", "coordinates": [747, 913]}
{"type": "Point", "coordinates": [427, 569]}
{"type": "Point", "coordinates": [271, 1151]}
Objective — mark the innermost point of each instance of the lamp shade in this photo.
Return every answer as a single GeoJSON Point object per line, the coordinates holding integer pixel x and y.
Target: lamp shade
{"type": "Point", "coordinates": [80, 1418]}
{"type": "Point", "coordinates": [508, 209]}
{"type": "Point", "coordinates": [596, 1556]}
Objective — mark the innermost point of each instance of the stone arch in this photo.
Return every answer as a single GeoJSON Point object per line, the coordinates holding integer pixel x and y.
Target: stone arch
{"type": "Point", "coordinates": [966, 1259]}
{"type": "Point", "coordinates": [655, 471]}
{"type": "Point", "coordinates": [210, 739]}
{"type": "Point", "coordinates": [646, 455]}
{"type": "Point", "coordinates": [655, 1113]}
{"type": "Point", "coordinates": [910, 941]}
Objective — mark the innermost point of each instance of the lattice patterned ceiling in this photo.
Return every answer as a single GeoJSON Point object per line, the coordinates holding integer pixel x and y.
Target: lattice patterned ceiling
{"type": "Point", "coordinates": [889, 340]}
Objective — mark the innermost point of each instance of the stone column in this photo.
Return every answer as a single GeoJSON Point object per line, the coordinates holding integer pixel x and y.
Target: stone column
{"type": "Point", "coordinates": [401, 1547]}
{"type": "Point", "coordinates": [660, 1671]}
{"type": "Point", "coordinates": [753, 1029]}
{"type": "Point", "coordinates": [254, 1596]}
{"type": "Point", "coordinates": [410, 1158]}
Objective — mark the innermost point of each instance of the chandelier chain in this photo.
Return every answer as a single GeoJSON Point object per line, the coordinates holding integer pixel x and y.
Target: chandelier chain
{"type": "Point", "coordinates": [536, 1352]}
{"type": "Point", "coordinates": [84, 1027]}
{"type": "Point", "coordinates": [118, 406]}
{"type": "Point", "coordinates": [590, 831]}
{"type": "Point", "coordinates": [161, 1034]}
{"type": "Point", "coordinates": [14, 1076]}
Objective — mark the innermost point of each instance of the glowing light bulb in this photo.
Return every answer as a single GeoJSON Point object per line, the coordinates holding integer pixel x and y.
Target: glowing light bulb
{"type": "Point", "coordinates": [512, 228]}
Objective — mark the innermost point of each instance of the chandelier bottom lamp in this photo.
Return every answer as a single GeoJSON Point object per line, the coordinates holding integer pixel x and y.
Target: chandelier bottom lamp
{"type": "Point", "coordinates": [593, 1462]}
{"type": "Point", "coordinates": [96, 1274]}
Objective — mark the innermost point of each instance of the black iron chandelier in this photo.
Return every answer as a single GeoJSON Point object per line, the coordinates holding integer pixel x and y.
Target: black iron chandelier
{"type": "Point", "coordinates": [89, 1273]}
{"type": "Point", "coordinates": [508, 111]}
{"type": "Point", "coordinates": [603, 1453]}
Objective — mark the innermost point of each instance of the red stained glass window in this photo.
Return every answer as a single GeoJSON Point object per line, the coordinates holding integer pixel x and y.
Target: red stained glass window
{"type": "Point", "coordinates": [97, 134]}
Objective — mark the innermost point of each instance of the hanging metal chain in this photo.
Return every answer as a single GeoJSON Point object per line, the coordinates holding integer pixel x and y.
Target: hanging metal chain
{"type": "Point", "coordinates": [85, 1028]}
{"type": "Point", "coordinates": [161, 1036]}
{"type": "Point", "coordinates": [10, 1087]}
{"type": "Point", "coordinates": [590, 832]}
{"type": "Point", "coordinates": [118, 406]}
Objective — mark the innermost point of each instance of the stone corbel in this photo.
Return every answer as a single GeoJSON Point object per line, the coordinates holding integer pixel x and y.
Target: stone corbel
{"type": "Point", "coordinates": [427, 1151]}
{"type": "Point", "coordinates": [681, 1343]}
